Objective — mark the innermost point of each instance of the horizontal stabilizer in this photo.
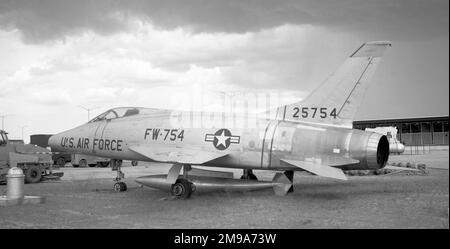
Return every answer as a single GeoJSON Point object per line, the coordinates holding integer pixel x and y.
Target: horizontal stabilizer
{"type": "Point", "coordinates": [338, 161]}
{"type": "Point", "coordinates": [318, 169]}
{"type": "Point", "coordinates": [172, 154]}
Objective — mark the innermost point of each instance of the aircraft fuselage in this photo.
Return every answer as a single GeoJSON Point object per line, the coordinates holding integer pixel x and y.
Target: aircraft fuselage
{"type": "Point", "coordinates": [254, 143]}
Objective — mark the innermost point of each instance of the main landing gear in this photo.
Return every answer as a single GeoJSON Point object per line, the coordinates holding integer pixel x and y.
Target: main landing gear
{"type": "Point", "coordinates": [119, 186]}
{"type": "Point", "coordinates": [182, 188]}
{"type": "Point", "coordinates": [248, 175]}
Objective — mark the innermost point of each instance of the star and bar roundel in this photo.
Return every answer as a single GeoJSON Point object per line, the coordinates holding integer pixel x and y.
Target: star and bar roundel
{"type": "Point", "coordinates": [222, 139]}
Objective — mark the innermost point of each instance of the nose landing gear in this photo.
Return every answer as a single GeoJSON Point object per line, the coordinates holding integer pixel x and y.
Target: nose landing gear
{"type": "Point", "coordinates": [119, 186]}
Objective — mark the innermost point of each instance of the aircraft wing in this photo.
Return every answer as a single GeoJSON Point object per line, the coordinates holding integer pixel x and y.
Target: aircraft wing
{"type": "Point", "coordinates": [172, 154]}
{"type": "Point", "coordinates": [322, 169]}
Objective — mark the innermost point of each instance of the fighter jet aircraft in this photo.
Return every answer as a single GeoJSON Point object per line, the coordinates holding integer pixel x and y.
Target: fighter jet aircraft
{"type": "Point", "coordinates": [313, 135]}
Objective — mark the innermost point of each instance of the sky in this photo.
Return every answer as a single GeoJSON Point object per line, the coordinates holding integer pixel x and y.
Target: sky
{"type": "Point", "coordinates": [58, 55]}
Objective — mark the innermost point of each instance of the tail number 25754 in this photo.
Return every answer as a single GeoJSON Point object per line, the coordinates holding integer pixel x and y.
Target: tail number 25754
{"type": "Point", "coordinates": [313, 112]}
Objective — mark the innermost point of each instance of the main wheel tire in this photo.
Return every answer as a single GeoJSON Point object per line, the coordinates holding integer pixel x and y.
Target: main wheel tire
{"type": "Point", "coordinates": [134, 163]}
{"type": "Point", "coordinates": [115, 164]}
{"type": "Point", "coordinates": [253, 177]}
{"type": "Point", "coordinates": [120, 187]}
{"type": "Point", "coordinates": [249, 177]}
{"type": "Point", "coordinates": [61, 162]}
{"type": "Point", "coordinates": [103, 164]}
{"type": "Point", "coordinates": [33, 174]}
{"type": "Point", "coordinates": [82, 163]}
{"type": "Point", "coordinates": [181, 188]}
{"type": "Point", "coordinates": [92, 165]}
{"type": "Point", "coordinates": [124, 186]}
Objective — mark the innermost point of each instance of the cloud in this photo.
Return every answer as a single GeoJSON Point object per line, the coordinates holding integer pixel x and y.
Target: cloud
{"type": "Point", "coordinates": [151, 57]}
{"type": "Point", "coordinates": [137, 69]}
{"type": "Point", "coordinates": [51, 97]}
{"type": "Point", "coordinates": [52, 19]}
{"type": "Point", "coordinates": [44, 20]}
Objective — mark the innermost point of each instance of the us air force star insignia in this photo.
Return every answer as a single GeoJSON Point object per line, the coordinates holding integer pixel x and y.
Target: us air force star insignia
{"type": "Point", "coordinates": [222, 139]}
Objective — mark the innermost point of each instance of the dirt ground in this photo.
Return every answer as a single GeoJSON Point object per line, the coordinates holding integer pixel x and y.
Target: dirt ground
{"type": "Point", "coordinates": [83, 198]}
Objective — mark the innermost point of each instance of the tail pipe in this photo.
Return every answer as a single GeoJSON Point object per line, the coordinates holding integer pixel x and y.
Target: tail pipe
{"type": "Point", "coordinates": [377, 151]}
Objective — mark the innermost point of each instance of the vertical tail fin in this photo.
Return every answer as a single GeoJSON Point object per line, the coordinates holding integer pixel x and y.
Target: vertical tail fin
{"type": "Point", "coordinates": [337, 99]}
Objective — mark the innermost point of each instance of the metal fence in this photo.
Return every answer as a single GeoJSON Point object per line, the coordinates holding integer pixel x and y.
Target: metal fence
{"type": "Point", "coordinates": [423, 138]}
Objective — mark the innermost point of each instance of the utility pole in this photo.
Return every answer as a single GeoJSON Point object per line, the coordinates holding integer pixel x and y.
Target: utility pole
{"type": "Point", "coordinates": [22, 127]}
{"type": "Point", "coordinates": [3, 119]}
{"type": "Point", "coordinates": [88, 110]}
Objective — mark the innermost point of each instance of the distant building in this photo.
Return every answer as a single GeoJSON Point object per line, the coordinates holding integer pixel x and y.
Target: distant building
{"type": "Point", "coordinates": [40, 139]}
{"type": "Point", "coordinates": [413, 131]}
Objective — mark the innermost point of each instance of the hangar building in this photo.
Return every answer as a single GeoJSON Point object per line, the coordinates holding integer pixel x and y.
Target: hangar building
{"type": "Point", "coordinates": [413, 131]}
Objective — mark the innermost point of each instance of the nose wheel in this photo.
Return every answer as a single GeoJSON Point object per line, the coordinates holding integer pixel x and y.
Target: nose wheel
{"type": "Point", "coordinates": [119, 186]}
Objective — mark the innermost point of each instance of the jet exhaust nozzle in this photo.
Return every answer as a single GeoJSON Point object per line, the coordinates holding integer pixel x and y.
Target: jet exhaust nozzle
{"type": "Point", "coordinates": [377, 151]}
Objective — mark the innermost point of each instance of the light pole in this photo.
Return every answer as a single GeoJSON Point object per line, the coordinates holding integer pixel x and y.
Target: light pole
{"type": "Point", "coordinates": [3, 119]}
{"type": "Point", "coordinates": [88, 110]}
{"type": "Point", "coordinates": [22, 127]}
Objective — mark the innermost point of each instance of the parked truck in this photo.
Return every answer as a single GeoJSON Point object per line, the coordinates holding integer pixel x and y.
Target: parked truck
{"type": "Point", "coordinates": [59, 158]}
{"type": "Point", "coordinates": [35, 161]}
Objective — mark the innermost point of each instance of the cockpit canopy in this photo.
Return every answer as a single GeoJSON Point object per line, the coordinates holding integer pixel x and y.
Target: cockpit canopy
{"type": "Point", "coordinates": [120, 112]}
